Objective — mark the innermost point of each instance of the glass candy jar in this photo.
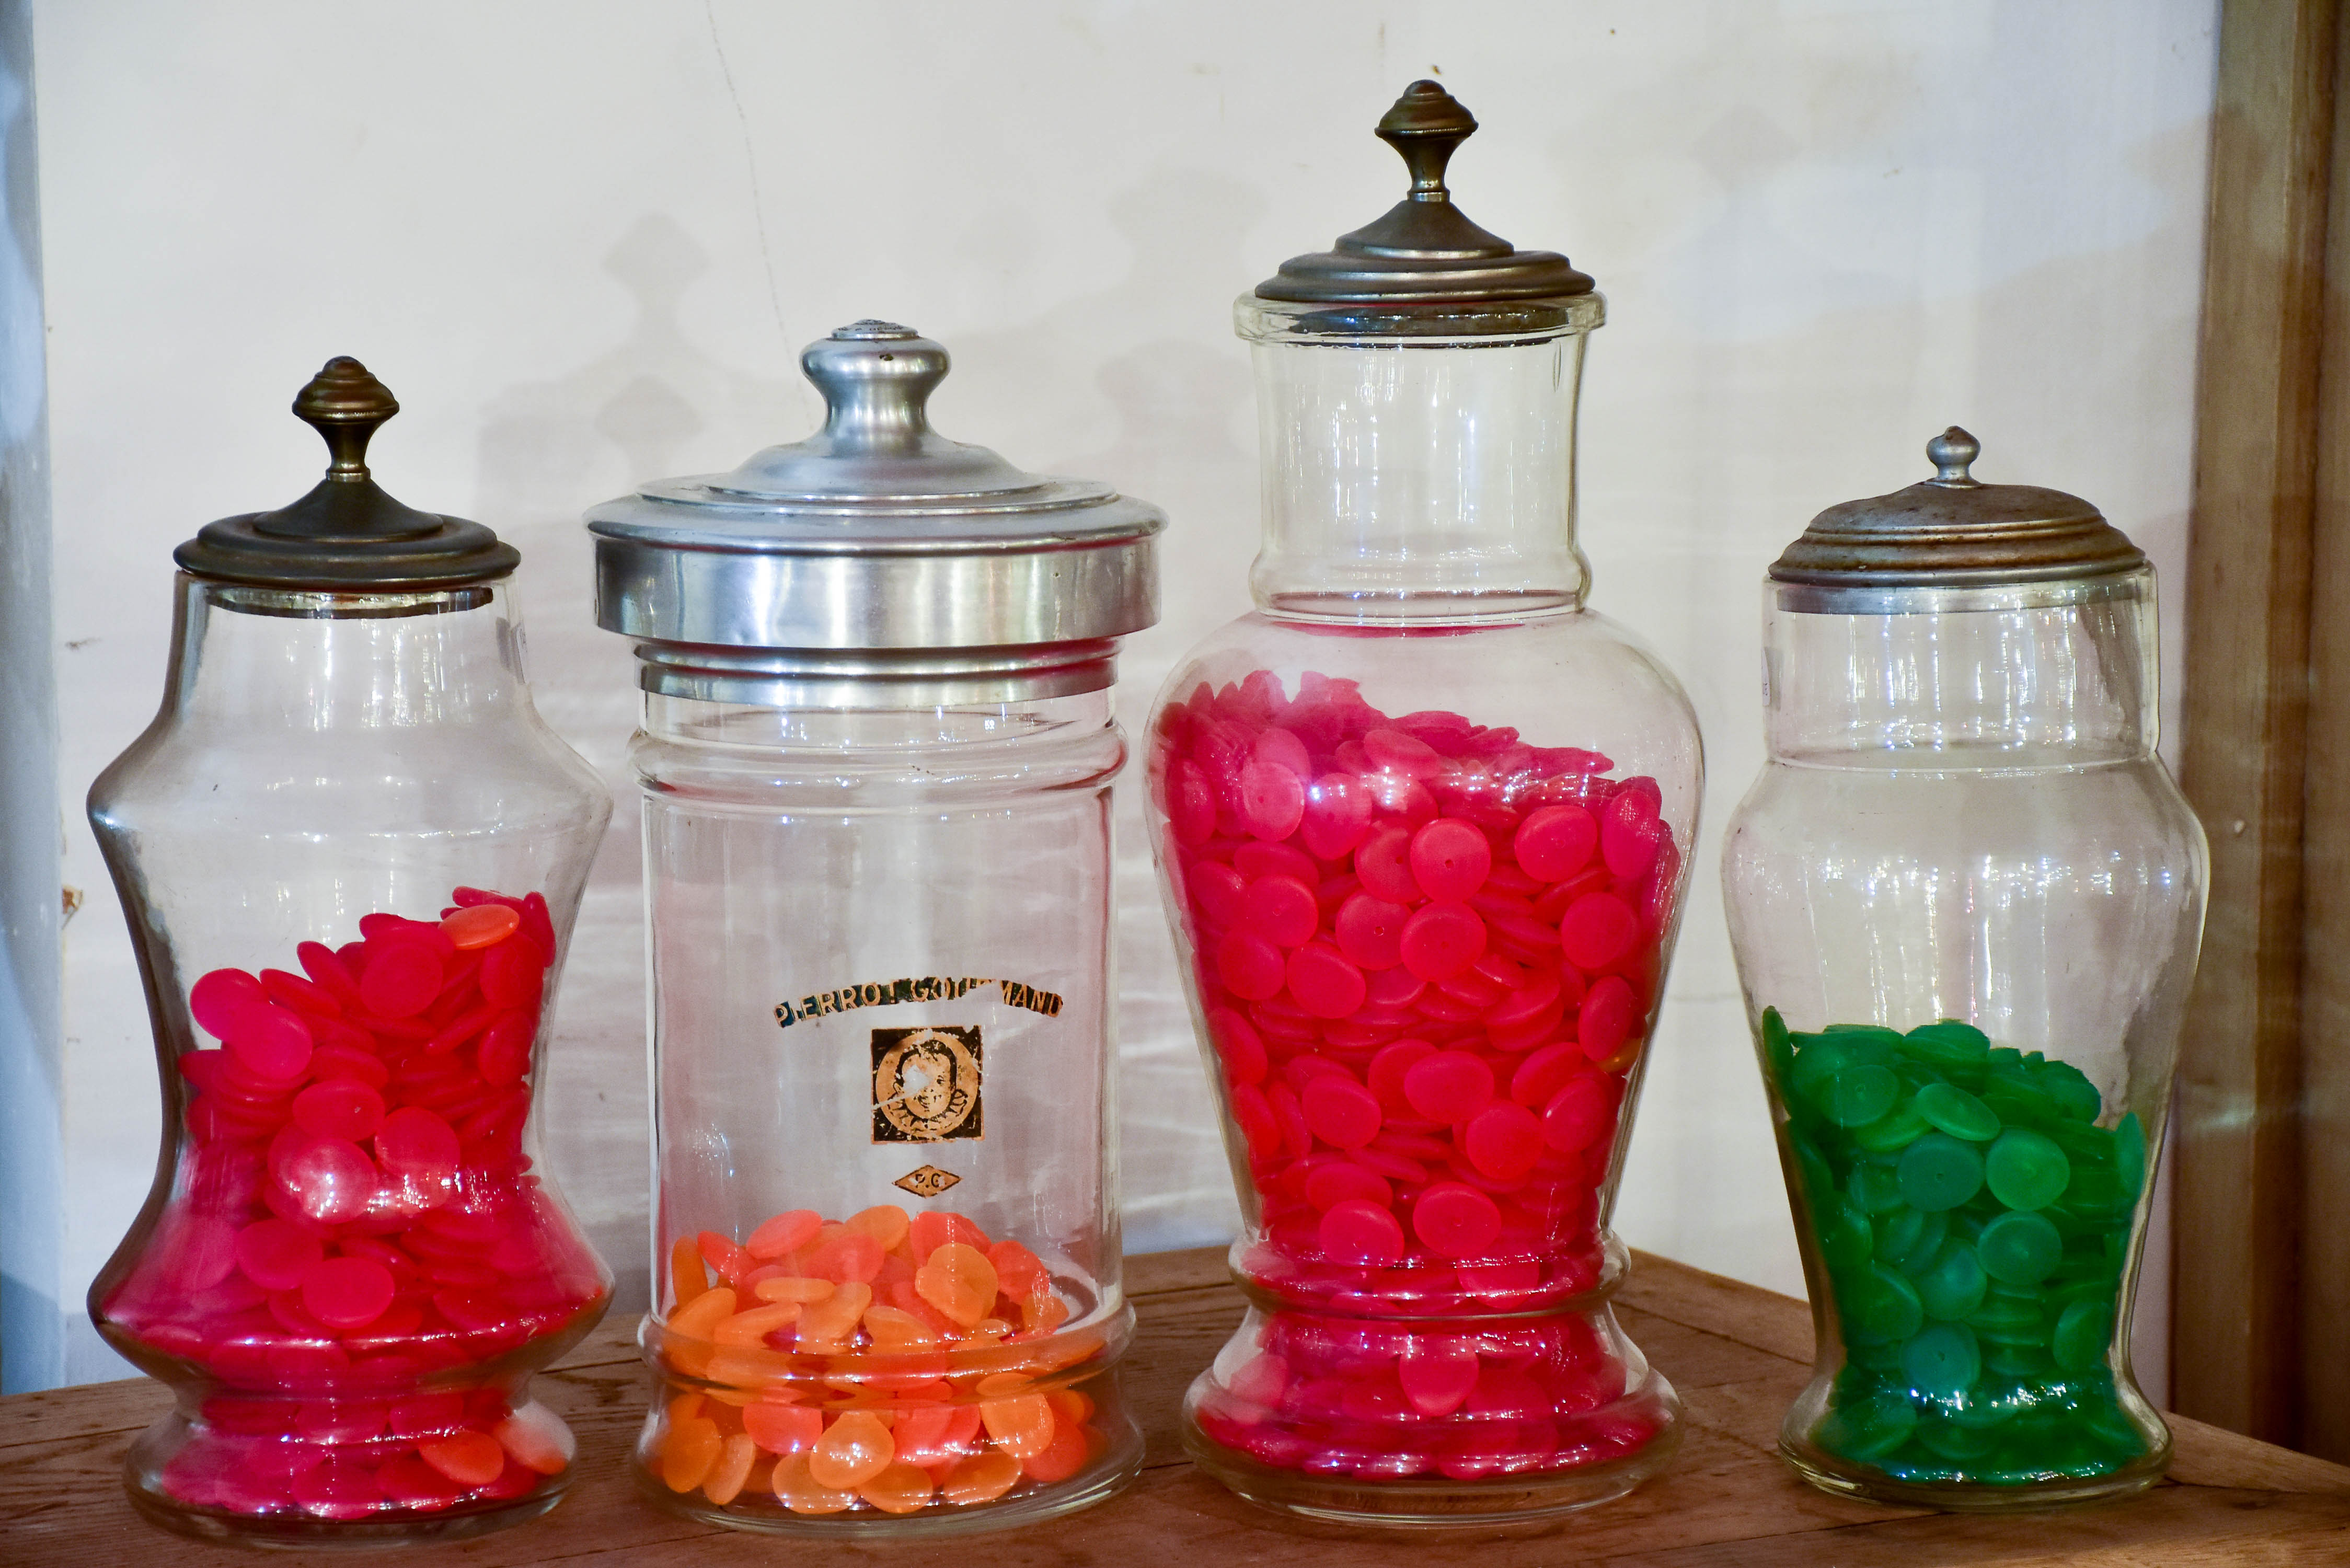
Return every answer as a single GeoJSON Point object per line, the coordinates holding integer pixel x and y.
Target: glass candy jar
{"type": "Point", "coordinates": [1420, 821]}
{"type": "Point", "coordinates": [875, 756]}
{"type": "Point", "coordinates": [350, 852]}
{"type": "Point", "coordinates": [1966, 900]}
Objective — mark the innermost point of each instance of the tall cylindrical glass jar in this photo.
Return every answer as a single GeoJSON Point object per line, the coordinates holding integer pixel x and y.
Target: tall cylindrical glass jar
{"type": "Point", "coordinates": [1420, 821]}
{"type": "Point", "coordinates": [350, 851]}
{"type": "Point", "coordinates": [1966, 900]}
{"type": "Point", "coordinates": [875, 756]}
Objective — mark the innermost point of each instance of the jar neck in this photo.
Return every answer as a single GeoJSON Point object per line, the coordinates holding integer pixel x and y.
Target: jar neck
{"type": "Point", "coordinates": [1419, 478]}
{"type": "Point", "coordinates": [878, 728]}
{"type": "Point", "coordinates": [2032, 676]}
{"type": "Point", "coordinates": [297, 659]}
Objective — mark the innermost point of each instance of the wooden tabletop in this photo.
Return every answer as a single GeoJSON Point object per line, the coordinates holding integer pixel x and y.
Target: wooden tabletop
{"type": "Point", "coordinates": [1737, 1355]}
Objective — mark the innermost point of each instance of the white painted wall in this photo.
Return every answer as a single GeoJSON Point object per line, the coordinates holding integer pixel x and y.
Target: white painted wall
{"type": "Point", "coordinates": [584, 240]}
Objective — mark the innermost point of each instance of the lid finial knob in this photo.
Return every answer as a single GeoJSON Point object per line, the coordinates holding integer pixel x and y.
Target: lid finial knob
{"type": "Point", "coordinates": [1426, 126]}
{"type": "Point", "coordinates": [1952, 453]}
{"type": "Point", "coordinates": [346, 406]}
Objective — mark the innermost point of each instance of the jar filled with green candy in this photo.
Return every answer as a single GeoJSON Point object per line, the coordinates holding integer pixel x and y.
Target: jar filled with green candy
{"type": "Point", "coordinates": [1966, 900]}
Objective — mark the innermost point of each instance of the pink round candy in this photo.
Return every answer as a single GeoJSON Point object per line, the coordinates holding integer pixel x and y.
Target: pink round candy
{"type": "Point", "coordinates": [1190, 803]}
{"type": "Point", "coordinates": [1240, 1045]}
{"type": "Point", "coordinates": [1437, 1373]}
{"type": "Point", "coordinates": [1597, 930]}
{"type": "Point", "coordinates": [511, 974]}
{"type": "Point", "coordinates": [338, 1107]}
{"type": "Point", "coordinates": [1273, 801]}
{"type": "Point", "coordinates": [1342, 1113]}
{"type": "Point", "coordinates": [1448, 1085]}
{"type": "Point", "coordinates": [1555, 842]}
{"type": "Point", "coordinates": [1338, 809]}
{"type": "Point", "coordinates": [1281, 748]}
{"type": "Point", "coordinates": [216, 999]}
{"type": "Point", "coordinates": [195, 1252]}
{"type": "Point", "coordinates": [1628, 836]}
{"type": "Point", "coordinates": [347, 1293]}
{"type": "Point", "coordinates": [1543, 1073]}
{"type": "Point", "coordinates": [274, 1255]}
{"type": "Point", "coordinates": [1608, 1016]}
{"type": "Point", "coordinates": [1454, 1219]}
{"type": "Point", "coordinates": [1256, 861]}
{"type": "Point", "coordinates": [1370, 931]}
{"type": "Point", "coordinates": [1451, 859]}
{"type": "Point", "coordinates": [1357, 1231]}
{"type": "Point", "coordinates": [1282, 910]}
{"type": "Point", "coordinates": [330, 1179]}
{"type": "Point", "coordinates": [1442, 940]}
{"type": "Point", "coordinates": [1341, 1179]}
{"type": "Point", "coordinates": [402, 979]}
{"type": "Point", "coordinates": [504, 1054]}
{"type": "Point", "coordinates": [272, 1042]}
{"type": "Point", "coordinates": [1390, 1068]}
{"type": "Point", "coordinates": [1216, 891]}
{"type": "Point", "coordinates": [1323, 983]}
{"type": "Point", "coordinates": [413, 1142]}
{"type": "Point", "coordinates": [1580, 1112]}
{"type": "Point", "coordinates": [1503, 1141]}
{"type": "Point", "coordinates": [1249, 966]}
{"type": "Point", "coordinates": [1383, 862]}
{"type": "Point", "coordinates": [1392, 751]}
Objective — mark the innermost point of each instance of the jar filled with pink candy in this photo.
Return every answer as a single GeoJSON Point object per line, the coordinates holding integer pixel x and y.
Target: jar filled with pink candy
{"type": "Point", "coordinates": [1421, 821]}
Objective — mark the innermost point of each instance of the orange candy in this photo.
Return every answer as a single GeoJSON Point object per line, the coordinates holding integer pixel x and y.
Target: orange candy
{"type": "Point", "coordinates": [726, 1260]}
{"type": "Point", "coordinates": [1021, 1426]}
{"type": "Point", "coordinates": [983, 1477]}
{"type": "Point", "coordinates": [958, 1281]}
{"type": "Point", "coordinates": [885, 1222]}
{"type": "Point", "coordinates": [481, 925]}
{"type": "Point", "coordinates": [752, 1327]}
{"type": "Point", "coordinates": [1019, 1273]}
{"type": "Point", "coordinates": [900, 1489]}
{"type": "Point", "coordinates": [699, 1318]}
{"type": "Point", "coordinates": [725, 1481]}
{"type": "Point", "coordinates": [783, 1428]}
{"type": "Point", "coordinates": [686, 1275]}
{"type": "Point", "coordinates": [469, 1459]}
{"type": "Point", "coordinates": [798, 1489]}
{"type": "Point", "coordinates": [787, 1232]}
{"type": "Point", "coordinates": [896, 1332]}
{"type": "Point", "coordinates": [835, 1317]}
{"type": "Point", "coordinates": [850, 1257]}
{"type": "Point", "coordinates": [854, 1449]}
{"type": "Point", "coordinates": [934, 1229]}
{"type": "Point", "coordinates": [538, 1440]}
{"type": "Point", "coordinates": [1061, 1458]}
{"type": "Point", "coordinates": [688, 1453]}
{"type": "Point", "coordinates": [792, 1288]}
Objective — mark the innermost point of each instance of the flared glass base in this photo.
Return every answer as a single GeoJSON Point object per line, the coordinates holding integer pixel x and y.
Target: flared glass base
{"type": "Point", "coordinates": [1960, 1493]}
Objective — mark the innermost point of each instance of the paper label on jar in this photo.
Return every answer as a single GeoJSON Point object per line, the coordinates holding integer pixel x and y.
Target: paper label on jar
{"type": "Point", "coordinates": [926, 1084]}
{"type": "Point", "coordinates": [929, 988]}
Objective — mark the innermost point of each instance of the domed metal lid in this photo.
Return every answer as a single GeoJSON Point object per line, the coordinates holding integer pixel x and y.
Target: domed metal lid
{"type": "Point", "coordinates": [1954, 531]}
{"type": "Point", "coordinates": [1424, 248]}
{"type": "Point", "coordinates": [347, 534]}
{"type": "Point", "coordinates": [875, 533]}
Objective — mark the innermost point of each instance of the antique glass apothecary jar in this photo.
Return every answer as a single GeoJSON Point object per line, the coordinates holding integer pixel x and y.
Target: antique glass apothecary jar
{"type": "Point", "coordinates": [1420, 820]}
{"type": "Point", "coordinates": [350, 852]}
{"type": "Point", "coordinates": [875, 756]}
{"type": "Point", "coordinates": [1966, 900]}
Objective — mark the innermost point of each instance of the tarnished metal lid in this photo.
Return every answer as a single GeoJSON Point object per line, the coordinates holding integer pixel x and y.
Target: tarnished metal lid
{"type": "Point", "coordinates": [1424, 249]}
{"type": "Point", "coordinates": [1953, 531]}
{"type": "Point", "coordinates": [347, 536]}
{"type": "Point", "coordinates": [874, 534]}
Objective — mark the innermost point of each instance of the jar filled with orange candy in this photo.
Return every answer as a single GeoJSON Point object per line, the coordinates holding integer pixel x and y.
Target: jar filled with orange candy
{"type": "Point", "coordinates": [875, 757]}
{"type": "Point", "coordinates": [350, 852]}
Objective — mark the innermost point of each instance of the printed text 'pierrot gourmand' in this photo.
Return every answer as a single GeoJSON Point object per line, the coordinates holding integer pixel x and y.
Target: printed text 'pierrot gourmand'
{"type": "Point", "coordinates": [929, 988]}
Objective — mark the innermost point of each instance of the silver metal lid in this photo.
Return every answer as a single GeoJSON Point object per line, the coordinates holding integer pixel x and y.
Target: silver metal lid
{"type": "Point", "coordinates": [877, 560]}
{"type": "Point", "coordinates": [1424, 249]}
{"type": "Point", "coordinates": [1952, 531]}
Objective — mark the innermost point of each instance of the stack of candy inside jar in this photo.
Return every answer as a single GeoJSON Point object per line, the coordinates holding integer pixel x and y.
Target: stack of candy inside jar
{"type": "Point", "coordinates": [1973, 1220]}
{"type": "Point", "coordinates": [888, 1362]}
{"type": "Point", "coordinates": [356, 1263]}
{"type": "Point", "coordinates": [1427, 953]}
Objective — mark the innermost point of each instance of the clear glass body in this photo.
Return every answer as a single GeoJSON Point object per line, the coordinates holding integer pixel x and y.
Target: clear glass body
{"type": "Point", "coordinates": [349, 1266]}
{"type": "Point", "coordinates": [885, 1228]}
{"type": "Point", "coordinates": [1966, 900]}
{"type": "Point", "coordinates": [1420, 822]}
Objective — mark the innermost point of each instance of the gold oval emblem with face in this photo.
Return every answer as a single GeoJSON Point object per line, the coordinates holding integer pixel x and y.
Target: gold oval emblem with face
{"type": "Point", "coordinates": [925, 1083]}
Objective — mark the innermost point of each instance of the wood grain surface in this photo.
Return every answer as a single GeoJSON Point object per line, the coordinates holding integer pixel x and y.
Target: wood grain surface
{"type": "Point", "coordinates": [1736, 1353]}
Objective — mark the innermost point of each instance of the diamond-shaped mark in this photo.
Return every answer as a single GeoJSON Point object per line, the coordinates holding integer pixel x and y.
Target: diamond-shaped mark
{"type": "Point", "coordinates": [928, 1181]}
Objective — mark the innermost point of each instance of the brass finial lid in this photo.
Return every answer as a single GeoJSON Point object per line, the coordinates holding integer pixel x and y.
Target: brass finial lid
{"type": "Point", "coordinates": [1424, 248]}
{"type": "Point", "coordinates": [347, 534]}
{"type": "Point", "coordinates": [1954, 531]}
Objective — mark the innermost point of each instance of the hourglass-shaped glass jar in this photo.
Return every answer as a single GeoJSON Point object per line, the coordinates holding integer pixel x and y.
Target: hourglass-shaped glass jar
{"type": "Point", "coordinates": [350, 852]}
{"type": "Point", "coordinates": [1420, 821]}
{"type": "Point", "coordinates": [875, 756]}
{"type": "Point", "coordinates": [1966, 901]}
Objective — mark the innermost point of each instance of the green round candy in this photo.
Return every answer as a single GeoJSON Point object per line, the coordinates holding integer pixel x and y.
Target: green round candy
{"type": "Point", "coordinates": [1844, 1238]}
{"type": "Point", "coordinates": [2020, 1248]}
{"type": "Point", "coordinates": [1880, 1306]}
{"type": "Point", "coordinates": [2025, 1169]}
{"type": "Point", "coordinates": [1893, 1131]}
{"type": "Point", "coordinates": [2129, 1155]}
{"type": "Point", "coordinates": [1814, 1178]}
{"type": "Point", "coordinates": [2094, 1193]}
{"type": "Point", "coordinates": [1853, 1097]}
{"type": "Point", "coordinates": [1816, 1063]}
{"type": "Point", "coordinates": [2070, 1089]}
{"type": "Point", "coordinates": [1954, 1440]}
{"type": "Point", "coordinates": [1950, 1046]}
{"type": "Point", "coordinates": [1941, 1361]}
{"type": "Point", "coordinates": [1869, 1429]}
{"type": "Point", "coordinates": [1778, 1050]}
{"type": "Point", "coordinates": [1919, 1255]}
{"type": "Point", "coordinates": [1938, 1172]}
{"type": "Point", "coordinates": [2081, 1333]}
{"type": "Point", "coordinates": [1956, 1112]}
{"type": "Point", "coordinates": [1898, 1232]}
{"type": "Point", "coordinates": [1876, 1186]}
{"type": "Point", "coordinates": [2016, 1360]}
{"type": "Point", "coordinates": [1951, 1287]}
